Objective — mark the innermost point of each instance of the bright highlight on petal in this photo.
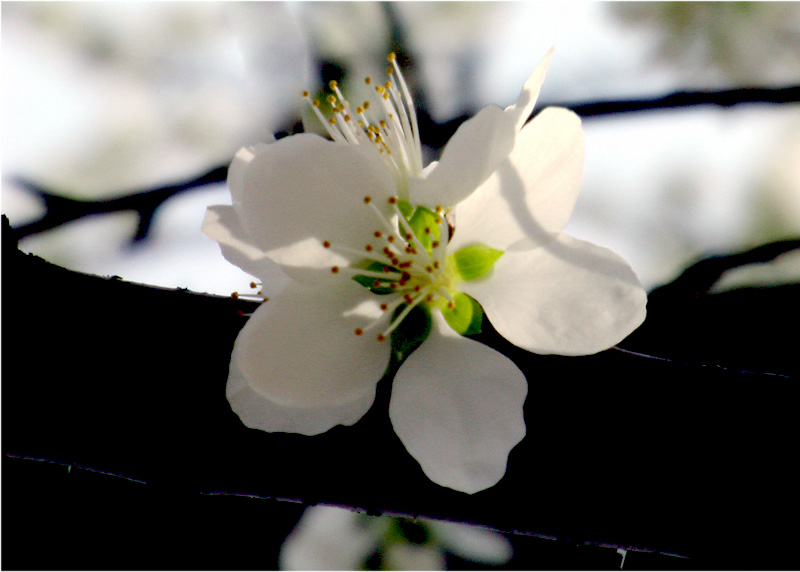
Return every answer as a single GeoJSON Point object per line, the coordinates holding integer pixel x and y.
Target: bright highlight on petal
{"type": "Point", "coordinates": [460, 421]}
{"type": "Point", "coordinates": [371, 254]}
{"type": "Point", "coordinates": [299, 350]}
{"type": "Point", "coordinates": [569, 297]}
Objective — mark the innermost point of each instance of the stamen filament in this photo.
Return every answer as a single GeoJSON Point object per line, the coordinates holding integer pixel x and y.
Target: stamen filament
{"type": "Point", "coordinates": [411, 111]}
{"type": "Point", "coordinates": [334, 133]}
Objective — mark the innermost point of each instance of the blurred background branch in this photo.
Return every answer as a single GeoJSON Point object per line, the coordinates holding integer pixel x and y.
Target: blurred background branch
{"type": "Point", "coordinates": [61, 209]}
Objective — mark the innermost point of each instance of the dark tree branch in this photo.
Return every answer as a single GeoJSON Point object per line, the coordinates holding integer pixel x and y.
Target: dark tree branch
{"type": "Point", "coordinates": [61, 209]}
{"type": "Point", "coordinates": [683, 99]}
{"type": "Point", "coordinates": [621, 450]}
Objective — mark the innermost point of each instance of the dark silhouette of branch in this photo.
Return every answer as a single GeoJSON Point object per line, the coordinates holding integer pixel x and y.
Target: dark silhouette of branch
{"type": "Point", "coordinates": [61, 209]}
{"type": "Point", "coordinates": [621, 450]}
{"type": "Point", "coordinates": [683, 99]}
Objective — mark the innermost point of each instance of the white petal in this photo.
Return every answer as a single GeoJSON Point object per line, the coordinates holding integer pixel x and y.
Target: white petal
{"type": "Point", "coordinates": [569, 297]}
{"type": "Point", "coordinates": [522, 109]}
{"type": "Point", "coordinates": [407, 556]}
{"type": "Point", "coordinates": [476, 149]}
{"type": "Point", "coordinates": [258, 412]}
{"type": "Point", "coordinates": [221, 223]}
{"type": "Point", "coordinates": [299, 349]}
{"type": "Point", "coordinates": [328, 538]}
{"type": "Point", "coordinates": [457, 407]}
{"type": "Point", "coordinates": [296, 193]}
{"type": "Point", "coordinates": [473, 542]}
{"type": "Point", "coordinates": [533, 193]}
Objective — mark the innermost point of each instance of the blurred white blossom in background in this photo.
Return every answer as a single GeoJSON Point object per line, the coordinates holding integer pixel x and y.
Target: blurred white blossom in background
{"type": "Point", "coordinates": [330, 538]}
{"type": "Point", "coordinates": [102, 98]}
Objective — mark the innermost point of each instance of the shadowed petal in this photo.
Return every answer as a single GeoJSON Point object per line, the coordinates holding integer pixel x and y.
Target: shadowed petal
{"type": "Point", "coordinates": [222, 224]}
{"type": "Point", "coordinates": [476, 149]}
{"type": "Point", "coordinates": [569, 297]}
{"type": "Point", "coordinates": [296, 193]}
{"type": "Point", "coordinates": [258, 412]}
{"type": "Point", "coordinates": [457, 407]}
{"type": "Point", "coordinates": [299, 349]}
{"type": "Point", "coordinates": [533, 193]}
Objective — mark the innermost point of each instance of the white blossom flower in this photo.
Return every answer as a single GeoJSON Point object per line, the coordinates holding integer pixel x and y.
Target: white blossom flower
{"type": "Point", "coordinates": [331, 538]}
{"type": "Point", "coordinates": [362, 234]}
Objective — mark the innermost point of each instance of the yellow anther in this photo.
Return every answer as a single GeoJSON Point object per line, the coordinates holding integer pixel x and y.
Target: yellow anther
{"type": "Point", "coordinates": [359, 110]}
{"type": "Point", "coordinates": [367, 199]}
{"type": "Point", "coordinates": [315, 103]}
{"type": "Point", "coordinates": [391, 57]}
{"type": "Point", "coordinates": [333, 84]}
{"type": "Point", "coordinates": [388, 85]}
{"type": "Point", "coordinates": [253, 285]}
{"type": "Point", "coordinates": [379, 89]}
{"type": "Point", "coordinates": [235, 295]}
{"type": "Point", "coordinates": [347, 117]}
{"type": "Point", "coordinates": [389, 70]}
{"type": "Point", "coordinates": [367, 80]}
{"type": "Point", "coordinates": [366, 105]}
{"type": "Point", "coordinates": [332, 120]}
{"type": "Point", "coordinates": [305, 94]}
{"type": "Point", "coordinates": [385, 95]}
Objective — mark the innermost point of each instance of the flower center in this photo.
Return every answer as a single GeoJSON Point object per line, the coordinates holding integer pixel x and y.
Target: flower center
{"type": "Point", "coordinates": [404, 260]}
{"type": "Point", "coordinates": [405, 257]}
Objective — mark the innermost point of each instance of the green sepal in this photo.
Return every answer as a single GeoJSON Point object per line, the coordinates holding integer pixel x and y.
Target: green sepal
{"type": "Point", "coordinates": [466, 317]}
{"type": "Point", "coordinates": [411, 332]}
{"type": "Point", "coordinates": [369, 282]}
{"type": "Point", "coordinates": [406, 208]}
{"type": "Point", "coordinates": [422, 219]}
{"type": "Point", "coordinates": [472, 262]}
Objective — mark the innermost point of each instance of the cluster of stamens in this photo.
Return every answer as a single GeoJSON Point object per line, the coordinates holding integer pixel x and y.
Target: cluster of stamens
{"type": "Point", "coordinates": [395, 263]}
{"type": "Point", "coordinates": [394, 136]}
